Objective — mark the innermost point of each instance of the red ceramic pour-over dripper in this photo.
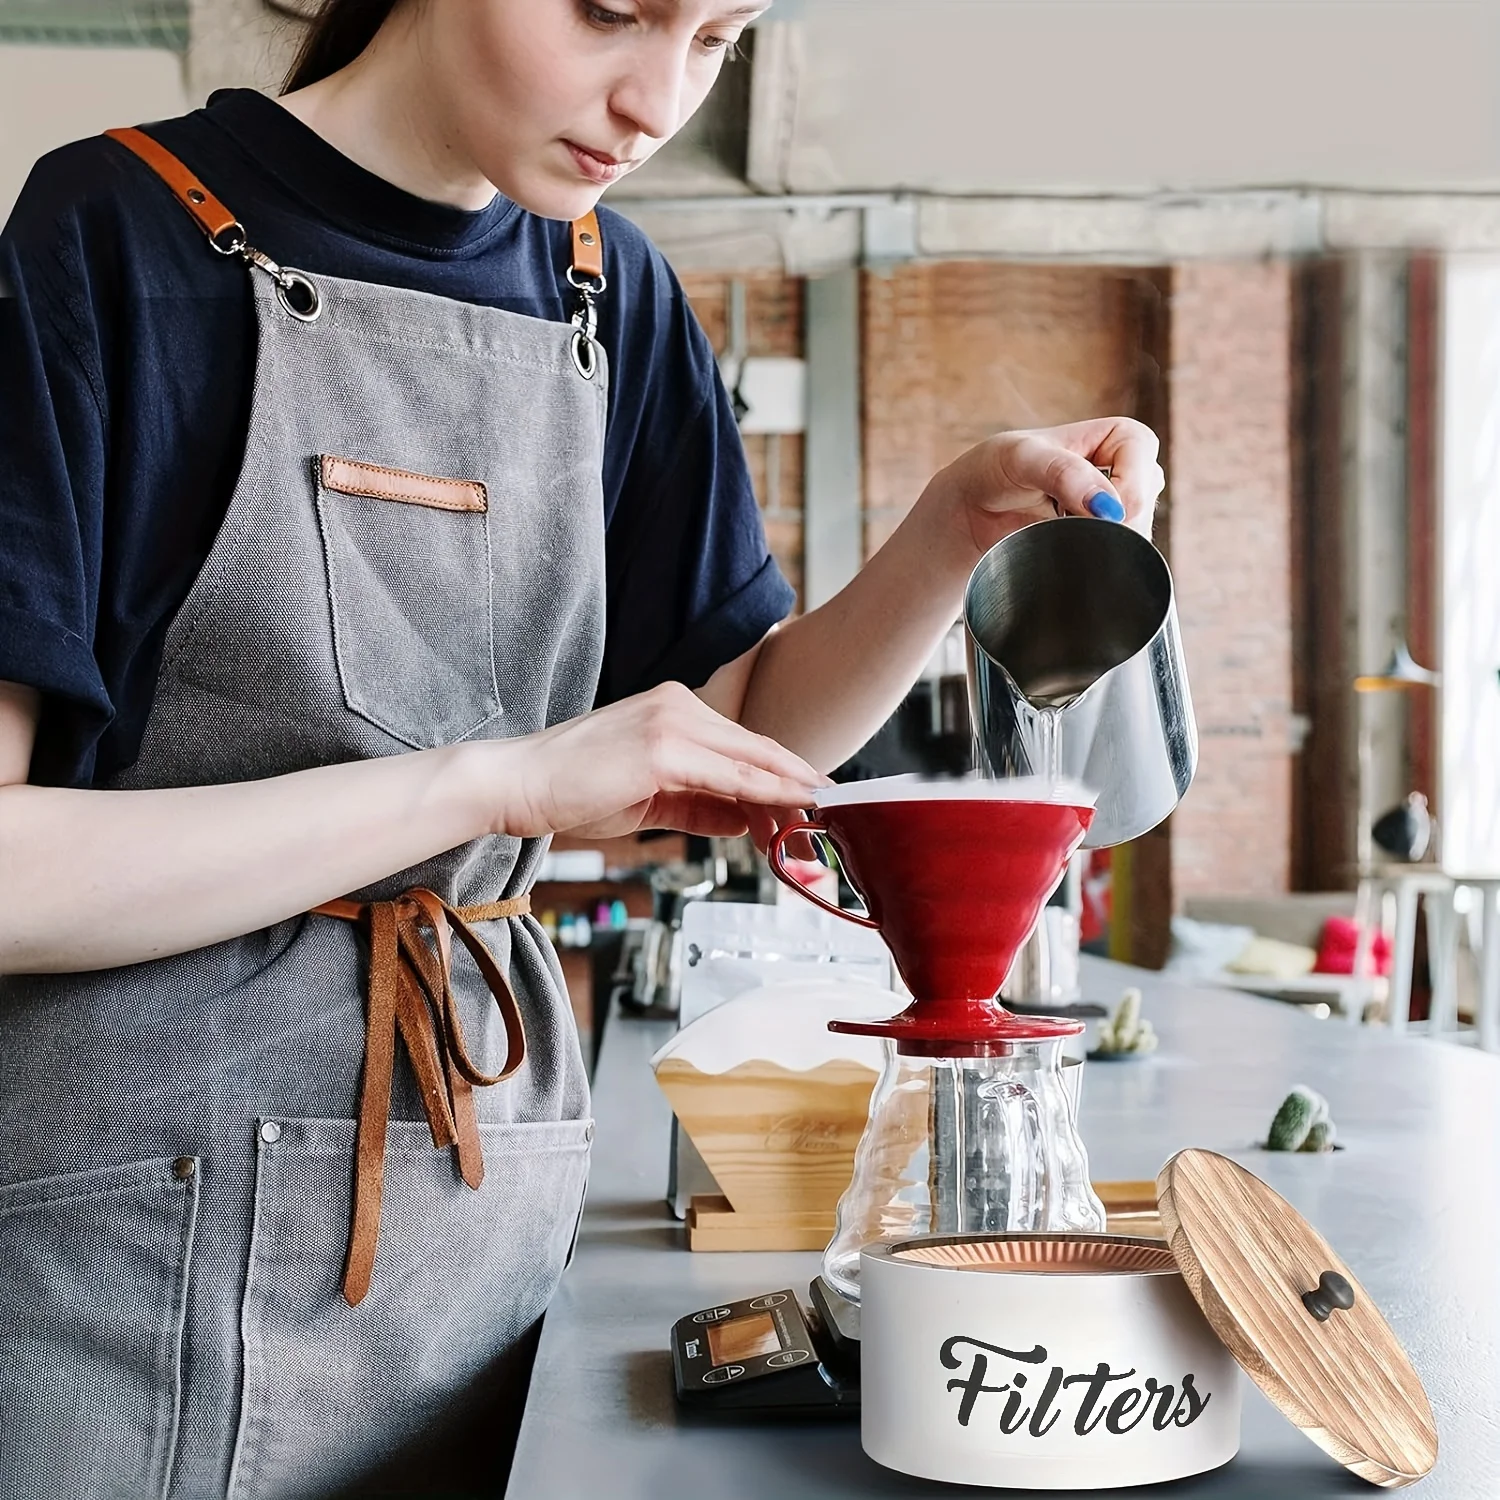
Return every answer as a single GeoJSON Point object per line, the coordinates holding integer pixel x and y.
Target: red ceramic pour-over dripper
{"type": "Point", "coordinates": [954, 885]}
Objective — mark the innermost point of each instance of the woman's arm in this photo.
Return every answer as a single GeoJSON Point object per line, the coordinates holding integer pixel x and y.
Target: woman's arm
{"type": "Point", "coordinates": [824, 683]}
{"type": "Point", "coordinates": [91, 879]}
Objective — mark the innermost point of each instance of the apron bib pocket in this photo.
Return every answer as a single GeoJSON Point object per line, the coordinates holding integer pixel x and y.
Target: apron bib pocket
{"type": "Point", "coordinates": [409, 583]}
{"type": "Point", "coordinates": [460, 1276]}
{"type": "Point", "coordinates": [93, 1292]}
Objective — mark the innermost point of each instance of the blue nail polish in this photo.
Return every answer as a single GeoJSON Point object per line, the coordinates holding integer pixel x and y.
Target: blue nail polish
{"type": "Point", "coordinates": [1106, 507]}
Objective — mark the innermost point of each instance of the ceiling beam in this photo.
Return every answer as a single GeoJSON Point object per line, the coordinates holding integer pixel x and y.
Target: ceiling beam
{"type": "Point", "coordinates": [775, 77]}
{"type": "Point", "coordinates": [815, 233]}
{"type": "Point", "coordinates": [96, 23]}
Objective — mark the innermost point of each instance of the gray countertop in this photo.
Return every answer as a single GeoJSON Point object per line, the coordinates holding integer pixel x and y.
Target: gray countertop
{"type": "Point", "coordinates": [1412, 1204]}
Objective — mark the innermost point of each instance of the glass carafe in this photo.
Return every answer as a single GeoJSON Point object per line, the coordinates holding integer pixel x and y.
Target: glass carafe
{"type": "Point", "coordinates": [959, 1145]}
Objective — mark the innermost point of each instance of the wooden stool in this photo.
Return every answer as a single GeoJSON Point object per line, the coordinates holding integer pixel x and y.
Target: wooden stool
{"type": "Point", "coordinates": [1408, 885]}
{"type": "Point", "coordinates": [1488, 1018]}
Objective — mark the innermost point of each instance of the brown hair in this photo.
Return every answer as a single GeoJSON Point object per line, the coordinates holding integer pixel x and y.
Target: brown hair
{"type": "Point", "coordinates": [337, 34]}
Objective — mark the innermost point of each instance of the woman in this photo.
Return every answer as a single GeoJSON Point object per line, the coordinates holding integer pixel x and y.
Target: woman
{"type": "Point", "coordinates": [327, 597]}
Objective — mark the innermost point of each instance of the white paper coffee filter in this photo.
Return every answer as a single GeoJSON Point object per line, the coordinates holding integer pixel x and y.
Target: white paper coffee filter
{"type": "Point", "coordinates": [786, 1024]}
{"type": "Point", "coordinates": [911, 788]}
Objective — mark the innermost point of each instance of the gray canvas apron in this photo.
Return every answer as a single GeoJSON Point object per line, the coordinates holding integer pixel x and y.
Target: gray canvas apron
{"type": "Point", "coordinates": [176, 1137]}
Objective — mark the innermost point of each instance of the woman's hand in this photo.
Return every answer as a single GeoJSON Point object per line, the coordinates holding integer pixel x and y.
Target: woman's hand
{"type": "Point", "coordinates": [158, 882]}
{"type": "Point", "coordinates": [1012, 479]}
{"type": "Point", "coordinates": [663, 759]}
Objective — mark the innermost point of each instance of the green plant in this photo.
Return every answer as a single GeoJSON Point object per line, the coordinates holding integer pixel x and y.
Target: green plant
{"type": "Point", "coordinates": [1125, 1031]}
{"type": "Point", "coordinates": [1302, 1123]}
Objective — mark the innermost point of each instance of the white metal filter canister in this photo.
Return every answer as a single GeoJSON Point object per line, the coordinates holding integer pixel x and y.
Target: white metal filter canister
{"type": "Point", "coordinates": [1041, 1361]}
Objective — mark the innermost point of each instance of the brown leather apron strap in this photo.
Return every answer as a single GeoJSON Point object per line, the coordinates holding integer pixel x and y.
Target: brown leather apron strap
{"type": "Point", "coordinates": [588, 246]}
{"type": "Point", "coordinates": [298, 293]}
{"type": "Point", "coordinates": [226, 233]}
{"type": "Point", "coordinates": [411, 991]}
{"type": "Point", "coordinates": [211, 216]}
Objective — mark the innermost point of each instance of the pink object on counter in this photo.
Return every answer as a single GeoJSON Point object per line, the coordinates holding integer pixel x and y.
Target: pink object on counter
{"type": "Point", "coordinates": [1336, 945]}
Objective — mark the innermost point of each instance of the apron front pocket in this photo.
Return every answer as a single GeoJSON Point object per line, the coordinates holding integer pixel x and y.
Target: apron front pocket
{"type": "Point", "coordinates": [332, 1392]}
{"type": "Point", "coordinates": [93, 1293]}
{"type": "Point", "coordinates": [409, 585]}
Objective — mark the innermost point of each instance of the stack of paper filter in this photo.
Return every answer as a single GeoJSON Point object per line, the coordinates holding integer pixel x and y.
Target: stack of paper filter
{"type": "Point", "coordinates": [775, 1104]}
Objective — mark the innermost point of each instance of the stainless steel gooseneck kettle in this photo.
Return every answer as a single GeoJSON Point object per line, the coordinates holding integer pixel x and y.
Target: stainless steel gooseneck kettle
{"type": "Point", "coordinates": [1075, 670]}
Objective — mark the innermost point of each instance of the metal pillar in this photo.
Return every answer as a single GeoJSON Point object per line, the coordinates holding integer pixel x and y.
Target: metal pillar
{"type": "Point", "coordinates": [1374, 498]}
{"type": "Point", "coordinates": [832, 506]}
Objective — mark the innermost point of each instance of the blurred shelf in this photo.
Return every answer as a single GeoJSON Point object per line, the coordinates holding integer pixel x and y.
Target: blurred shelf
{"type": "Point", "coordinates": [627, 853]}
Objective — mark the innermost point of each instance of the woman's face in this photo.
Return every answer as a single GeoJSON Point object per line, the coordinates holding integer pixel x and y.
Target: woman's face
{"type": "Point", "coordinates": [552, 100]}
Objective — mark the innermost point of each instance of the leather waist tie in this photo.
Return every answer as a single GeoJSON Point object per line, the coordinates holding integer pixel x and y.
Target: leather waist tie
{"type": "Point", "coordinates": [410, 990]}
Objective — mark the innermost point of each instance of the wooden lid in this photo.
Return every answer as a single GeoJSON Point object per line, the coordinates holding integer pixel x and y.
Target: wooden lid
{"type": "Point", "coordinates": [1248, 1257]}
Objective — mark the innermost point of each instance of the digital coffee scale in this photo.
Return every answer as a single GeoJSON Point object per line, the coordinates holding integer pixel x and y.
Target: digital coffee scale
{"type": "Point", "coordinates": [766, 1356]}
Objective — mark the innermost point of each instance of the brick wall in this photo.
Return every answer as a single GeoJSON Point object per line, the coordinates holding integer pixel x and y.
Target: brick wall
{"type": "Point", "coordinates": [955, 351]}
{"type": "Point", "coordinates": [952, 352]}
{"type": "Point", "coordinates": [958, 350]}
{"type": "Point", "coordinates": [1229, 476]}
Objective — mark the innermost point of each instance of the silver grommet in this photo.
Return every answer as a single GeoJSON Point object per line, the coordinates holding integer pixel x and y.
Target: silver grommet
{"type": "Point", "coordinates": [581, 346]}
{"type": "Point", "coordinates": [197, 195]}
{"type": "Point", "coordinates": [308, 302]}
{"type": "Point", "coordinates": [270, 1132]}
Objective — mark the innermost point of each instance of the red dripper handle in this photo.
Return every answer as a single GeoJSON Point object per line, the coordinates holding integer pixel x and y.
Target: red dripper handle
{"type": "Point", "coordinates": [776, 857]}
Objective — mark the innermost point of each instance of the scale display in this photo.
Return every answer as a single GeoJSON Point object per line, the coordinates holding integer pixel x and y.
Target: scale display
{"type": "Point", "coordinates": [743, 1338]}
{"type": "Point", "coordinates": [760, 1355]}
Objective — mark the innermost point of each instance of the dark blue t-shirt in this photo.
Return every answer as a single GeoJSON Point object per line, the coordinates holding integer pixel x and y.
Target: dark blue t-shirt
{"type": "Point", "coordinates": [127, 349]}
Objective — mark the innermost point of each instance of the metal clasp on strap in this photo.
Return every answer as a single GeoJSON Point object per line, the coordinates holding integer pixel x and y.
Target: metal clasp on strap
{"type": "Point", "coordinates": [295, 290]}
{"type": "Point", "coordinates": [586, 277]}
{"type": "Point", "coordinates": [583, 345]}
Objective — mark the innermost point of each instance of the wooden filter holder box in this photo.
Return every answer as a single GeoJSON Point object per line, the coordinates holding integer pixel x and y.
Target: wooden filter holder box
{"type": "Point", "coordinates": [780, 1144]}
